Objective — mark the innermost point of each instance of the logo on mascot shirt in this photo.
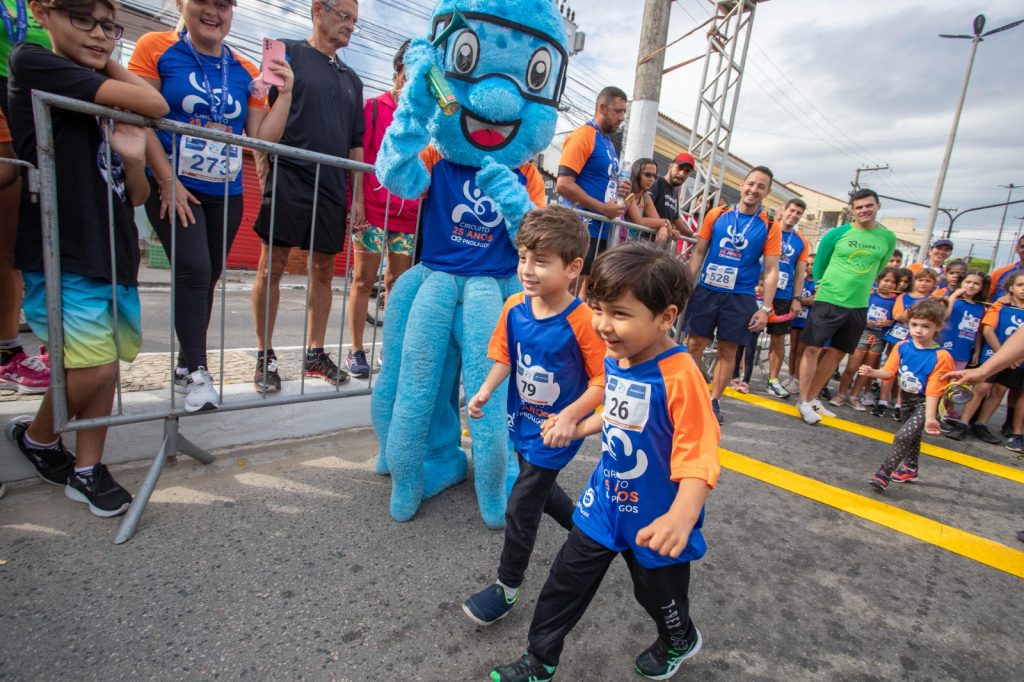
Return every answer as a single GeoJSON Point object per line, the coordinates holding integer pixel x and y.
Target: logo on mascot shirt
{"type": "Point", "coordinates": [475, 219]}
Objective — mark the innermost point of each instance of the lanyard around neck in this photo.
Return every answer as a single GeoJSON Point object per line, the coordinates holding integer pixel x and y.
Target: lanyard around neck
{"type": "Point", "coordinates": [16, 31]}
{"type": "Point", "coordinates": [216, 112]}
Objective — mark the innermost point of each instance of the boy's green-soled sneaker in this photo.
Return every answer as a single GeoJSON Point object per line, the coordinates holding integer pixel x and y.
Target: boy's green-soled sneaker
{"type": "Point", "coordinates": [660, 661]}
{"type": "Point", "coordinates": [527, 668]}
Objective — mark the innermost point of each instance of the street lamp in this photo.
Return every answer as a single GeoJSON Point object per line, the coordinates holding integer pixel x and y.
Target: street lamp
{"type": "Point", "coordinates": [976, 38]}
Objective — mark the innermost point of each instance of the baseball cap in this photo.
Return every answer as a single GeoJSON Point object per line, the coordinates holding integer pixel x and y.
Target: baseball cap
{"type": "Point", "coordinates": [942, 242]}
{"type": "Point", "coordinates": [685, 158]}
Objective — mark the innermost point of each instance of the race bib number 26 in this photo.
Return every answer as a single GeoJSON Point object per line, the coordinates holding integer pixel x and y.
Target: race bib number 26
{"type": "Point", "coordinates": [627, 404]}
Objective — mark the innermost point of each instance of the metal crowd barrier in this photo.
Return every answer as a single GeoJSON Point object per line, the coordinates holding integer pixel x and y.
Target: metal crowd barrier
{"type": "Point", "coordinates": [173, 441]}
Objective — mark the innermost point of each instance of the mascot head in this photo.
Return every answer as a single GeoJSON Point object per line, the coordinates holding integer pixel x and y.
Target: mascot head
{"type": "Point", "coordinates": [508, 69]}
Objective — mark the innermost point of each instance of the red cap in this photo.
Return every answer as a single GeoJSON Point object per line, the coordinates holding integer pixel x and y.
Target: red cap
{"type": "Point", "coordinates": [685, 158]}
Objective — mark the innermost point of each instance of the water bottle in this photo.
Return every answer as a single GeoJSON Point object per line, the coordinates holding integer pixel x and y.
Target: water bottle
{"type": "Point", "coordinates": [624, 168]}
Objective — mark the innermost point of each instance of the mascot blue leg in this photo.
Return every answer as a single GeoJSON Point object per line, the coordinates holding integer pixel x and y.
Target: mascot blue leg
{"type": "Point", "coordinates": [482, 304]}
{"type": "Point", "coordinates": [382, 402]}
{"type": "Point", "coordinates": [425, 351]}
{"type": "Point", "coordinates": [445, 463]}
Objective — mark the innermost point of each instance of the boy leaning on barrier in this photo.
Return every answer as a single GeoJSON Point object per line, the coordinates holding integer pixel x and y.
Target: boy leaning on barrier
{"type": "Point", "coordinates": [84, 33]}
{"type": "Point", "coordinates": [545, 341]}
{"type": "Point", "coordinates": [645, 498]}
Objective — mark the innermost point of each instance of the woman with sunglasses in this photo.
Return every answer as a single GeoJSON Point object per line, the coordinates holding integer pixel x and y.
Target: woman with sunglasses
{"type": "Point", "coordinates": [207, 84]}
{"type": "Point", "coordinates": [640, 207]}
{"type": "Point", "coordinates": [100, 177]}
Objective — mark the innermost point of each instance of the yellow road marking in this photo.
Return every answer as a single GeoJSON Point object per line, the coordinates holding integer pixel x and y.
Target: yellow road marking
{"type": "Point", "coordinates": [939, 452]}
{"type": "Point", "coordinates": [952, 539]}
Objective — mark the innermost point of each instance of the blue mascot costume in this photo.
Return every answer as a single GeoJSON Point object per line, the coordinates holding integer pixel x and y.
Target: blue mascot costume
{"type": "Point", "coordinates": [507, 69]}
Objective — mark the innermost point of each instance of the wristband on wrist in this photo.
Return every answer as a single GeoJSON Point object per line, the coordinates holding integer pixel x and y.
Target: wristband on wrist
{"type": "Point", "coordinates": [765, 309]}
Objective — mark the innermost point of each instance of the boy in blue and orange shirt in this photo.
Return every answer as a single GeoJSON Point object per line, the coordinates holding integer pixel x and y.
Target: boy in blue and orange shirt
{"type": "Point", "coordinates": [645, 498]}
{"type": "Point", "coordinates": [545, 341]}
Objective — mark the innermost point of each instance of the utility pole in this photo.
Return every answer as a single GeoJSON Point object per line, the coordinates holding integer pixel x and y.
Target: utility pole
{"type": "Point", "coordinates": [1002, 223]}
{"type": "Point", "coordinates": [976, 38]}
{"type": "Point", "coordinates": [643, 110]}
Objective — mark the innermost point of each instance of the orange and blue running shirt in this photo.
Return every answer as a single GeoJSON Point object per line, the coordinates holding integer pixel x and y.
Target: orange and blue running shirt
{"type": "Point", "coordinates": [919, 371]}
{"type": "Point", "coordinates": [658, 429]}
{"type": "Point", "coordinates": [999, 277]}
{"type": "Point", "coordinates": [184, 75]}
{"type": "Point", "coordinates": [961, 329]}
{"type": "Point", "coordinates": [899, 330]}
{"type": "Point", "coordinates": [464, 233]}
{"type": "Point", "coordinates": [1004, 320]}
{"type": "Point", "coordinates": [553, 360]}
{"type": "Point", "coordinates": [794, 250]}
{"type": "Point", "coordinates": [880, 311]}
{"type": "Point", "coordinates": [736, 243]}
{"type": "Point", "coordinates": [589, 156]}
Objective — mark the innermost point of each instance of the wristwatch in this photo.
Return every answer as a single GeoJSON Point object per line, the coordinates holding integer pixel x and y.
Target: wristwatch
{"type": "Point", "coordinates": [765, 309]}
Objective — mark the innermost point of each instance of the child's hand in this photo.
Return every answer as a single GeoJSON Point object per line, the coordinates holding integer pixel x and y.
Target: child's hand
{"type": "Point", "coordinates": [932, 426]}
{"type": "Point", "coordinates": [865, 371]}
{"type": "Point", "coordinates": [477, 402]}
{"type": "Point", "coordinates": [558, 433]}
{"type": "Point", "coordinates": [665, 535]}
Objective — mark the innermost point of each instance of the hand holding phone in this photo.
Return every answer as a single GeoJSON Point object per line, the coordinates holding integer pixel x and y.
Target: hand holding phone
{"type": "Point", "coordinates": [272, 50]}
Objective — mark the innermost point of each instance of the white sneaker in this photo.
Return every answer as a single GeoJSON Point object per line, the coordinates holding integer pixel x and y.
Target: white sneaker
{"type": "Point", "coordinates": [820, 409]}
{"type": "Point", "coordinates": [867, 399]}
{"type": "Point", "coordinates": [200, 394]}
{"type": "Point", "coordinates": [792, 386]}
{"type": "Point", "coordinates": [807, 413]}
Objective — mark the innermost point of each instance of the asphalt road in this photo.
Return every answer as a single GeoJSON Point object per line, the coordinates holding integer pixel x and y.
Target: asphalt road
{"type": "Point", "coordinates": [280, 562]}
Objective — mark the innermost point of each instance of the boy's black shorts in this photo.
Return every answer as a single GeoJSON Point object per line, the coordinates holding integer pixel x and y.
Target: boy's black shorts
{"type": "Point", "coordinates": [1012, 378]}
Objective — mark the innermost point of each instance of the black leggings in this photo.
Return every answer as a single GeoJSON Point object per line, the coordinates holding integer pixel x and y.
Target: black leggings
{"type": "Point", "coordinates": [573, 581]}
{"type": "Point", "coordinates": [199, 254]}
{"type": "Point", "coordinates": [747, 352]}
{"type": "Point", "coordinates": [906, 444]}
{"type": "Point", "coordinates": [535, 493]}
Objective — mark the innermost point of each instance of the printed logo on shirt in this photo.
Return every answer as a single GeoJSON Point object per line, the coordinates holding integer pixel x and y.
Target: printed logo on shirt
{"type": "Point", "coordinates": [619, 447]}
{"type": "Point", "coordinates": [476, 220]}
{"type": "Point", "coordinates": [536, 385]}
{"type": "Point", "coordinates": [863, 258]}
{"type": "Point", "coordinates": [909, 382]}
{"type": "Point", "coordinates": [115, 179]}
{"type": "Point", "coordinates": [733, 244]}
{"type": "Point", "coordinates": [191, 104]}
{"type": "Point", "coordinates": [788, 251]}
{"type": "Point", "coordinates": [1015, 324]}
{"type": "Point", "coordinates": [968, 326]}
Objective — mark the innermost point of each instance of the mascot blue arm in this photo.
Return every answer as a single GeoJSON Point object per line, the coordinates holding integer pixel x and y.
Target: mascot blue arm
{"type": "Point", "coordinates": [507, 69]}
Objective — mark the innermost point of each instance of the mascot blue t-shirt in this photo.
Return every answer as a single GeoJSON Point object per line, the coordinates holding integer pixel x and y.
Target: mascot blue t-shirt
{"type": "Point", "coordinates": [464, 232]}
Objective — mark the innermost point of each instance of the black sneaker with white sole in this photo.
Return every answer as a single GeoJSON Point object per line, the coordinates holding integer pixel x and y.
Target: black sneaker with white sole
{"type": "Point", "coordinates": [319, 364]}
{"type": "Point", "coordinates": [661, 661]}
{"type": "Point", "coordinates": [100, 491]}
{"type": "Point", "coordinates": [53, 465]}
{"type": "Point", "coordinates": [266, 379]}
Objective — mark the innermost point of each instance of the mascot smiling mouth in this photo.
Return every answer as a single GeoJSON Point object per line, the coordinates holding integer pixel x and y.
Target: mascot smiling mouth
{"type": "Point", "coordinates": [486, 135]}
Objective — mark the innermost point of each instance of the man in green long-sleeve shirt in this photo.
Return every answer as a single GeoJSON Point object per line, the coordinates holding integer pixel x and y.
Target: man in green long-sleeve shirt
{"type": "Point", "coordinates": [846, 264]}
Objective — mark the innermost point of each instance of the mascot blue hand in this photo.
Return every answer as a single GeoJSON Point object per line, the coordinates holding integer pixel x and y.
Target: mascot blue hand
{"type": "Point", "coordinates": [501, 184]}
{"type": "Point", "coordinates": [399, 166]}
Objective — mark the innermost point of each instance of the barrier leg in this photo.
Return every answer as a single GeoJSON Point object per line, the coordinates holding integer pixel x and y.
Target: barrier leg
{"type": "Point", "coordinates": [172, 443]}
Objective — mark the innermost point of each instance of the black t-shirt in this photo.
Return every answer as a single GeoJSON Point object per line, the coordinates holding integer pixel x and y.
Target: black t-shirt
{"type": "Point", "coordinates": [80, 159]}
{"type": "Point", "coordinates": [666, 199]}
{"type": "Point", "coordinates": [326, 116]}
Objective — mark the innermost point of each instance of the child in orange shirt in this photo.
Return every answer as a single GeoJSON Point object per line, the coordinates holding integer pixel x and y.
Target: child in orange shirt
{"type": "Point", "coordinates": [645, 498]}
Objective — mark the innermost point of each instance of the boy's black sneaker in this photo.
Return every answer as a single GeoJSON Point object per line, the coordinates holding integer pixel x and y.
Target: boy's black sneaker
{"type": "Point", "coordinates": [957, 431]}
{"type": "Point", "coordinates": [489, 605]}
{"type": "Point", "coordinates": [266, 379]}
{"type": "Point", "coordinates": [100, 491]}
{"type": "Point", "coordinates": [528, 668]}
{"type": "Point", "coordinates": [660, 661]}
{"type": "Point", "coordinates": [879, 410]}
{"type": "Point", "coordinates": [825, 394]}
{"type": "Point", "coordinates": [317, 363]}
{"type": "Point", "coordinates": [981, 432]}
{"type": "Point", "coordinates": [53, 465]}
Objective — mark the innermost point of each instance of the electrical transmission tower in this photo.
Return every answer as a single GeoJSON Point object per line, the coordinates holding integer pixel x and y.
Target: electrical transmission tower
{"type": "Point", "coordinates": [724, 63]}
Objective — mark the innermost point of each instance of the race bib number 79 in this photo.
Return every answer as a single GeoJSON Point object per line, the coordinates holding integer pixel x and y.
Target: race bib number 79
{"type": "Point", "coordinates": [627, 404]}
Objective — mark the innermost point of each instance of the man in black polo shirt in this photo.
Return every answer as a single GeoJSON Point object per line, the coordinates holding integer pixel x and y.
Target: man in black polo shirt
{"type": "Point", "coordinates": [326, 116]}
{"type": "Point", "coordinates": [665, 194]}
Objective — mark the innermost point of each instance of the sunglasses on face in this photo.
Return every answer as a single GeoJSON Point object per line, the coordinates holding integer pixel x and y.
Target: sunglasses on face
{"type": "Point", "coordinates": [86, 23]}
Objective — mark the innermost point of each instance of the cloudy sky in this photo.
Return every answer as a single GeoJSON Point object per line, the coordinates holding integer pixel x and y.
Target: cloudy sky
{"type": "Point", "coordinates": [830, 86]}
